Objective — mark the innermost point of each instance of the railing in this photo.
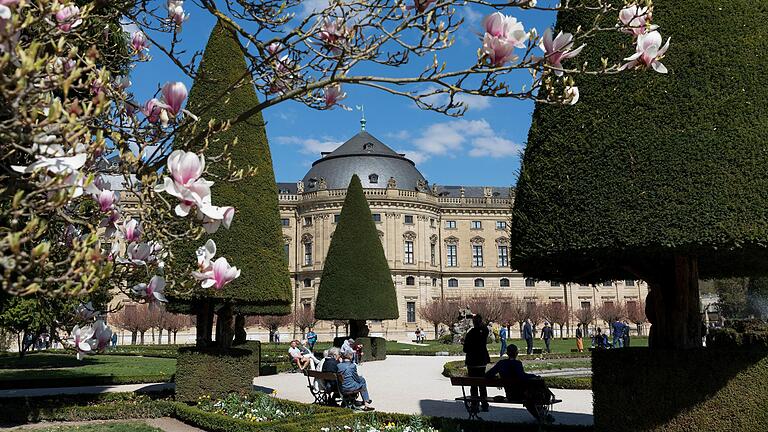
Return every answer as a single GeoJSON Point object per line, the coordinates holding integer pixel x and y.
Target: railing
{"type": "Point", "coordinates": [409, 195]}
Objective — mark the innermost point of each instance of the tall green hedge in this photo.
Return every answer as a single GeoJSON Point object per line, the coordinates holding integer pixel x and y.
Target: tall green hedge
{"type": "Point", "coordinates": [254, 243]}
{"type": "Point", "coordinates": [648, 165]}
{"type": "Point", "coordinates": [356, 283]}
{"type": "Point", "coordinates": [215, 371]}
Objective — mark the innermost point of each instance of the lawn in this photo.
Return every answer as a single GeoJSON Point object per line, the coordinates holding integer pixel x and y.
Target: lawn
{"type": "Point", "coordinates": [103, 427]}
{"type": "Point", "coordinates": [61, 370]}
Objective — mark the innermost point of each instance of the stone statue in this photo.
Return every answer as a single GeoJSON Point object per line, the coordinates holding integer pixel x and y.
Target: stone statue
{"type": "Point", "coordinates": [322, 185]}
{"type": "Point", "coordinates": [391, 183]}
{"type": "Point", "coordinates": [461, 192]}
{"type": "Point", "coordinates": [300, 187]}
{"type": "Point", "coordinates": [421, 185]}
{"type": "Point", "coordinates": [460, 328]}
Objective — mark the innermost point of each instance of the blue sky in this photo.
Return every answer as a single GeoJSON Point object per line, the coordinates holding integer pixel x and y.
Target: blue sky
{"type": "Point", "coordinates": [481, 148]}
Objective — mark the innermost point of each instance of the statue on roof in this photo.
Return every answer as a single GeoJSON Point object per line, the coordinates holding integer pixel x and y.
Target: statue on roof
{"type": "Point", "coordinates": [391, 183]}
{"type": "Point", "coordinates": [300, 187]}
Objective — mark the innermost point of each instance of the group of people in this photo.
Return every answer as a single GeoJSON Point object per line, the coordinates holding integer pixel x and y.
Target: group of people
{"type": "Point", "coordinates": [547, 334]}
{"type": "Point", "coordinates": [302, 355]}
{"type": "Point", "coordinates": [531, 389]}
{"type": "Point", "coordinates": [336, 360]}
{"type": "Point", "coordinates": [421, 335]}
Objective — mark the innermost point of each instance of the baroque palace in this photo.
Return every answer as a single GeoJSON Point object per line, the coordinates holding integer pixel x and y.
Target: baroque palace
{"type": "Point", "coordinates": [440, 241]}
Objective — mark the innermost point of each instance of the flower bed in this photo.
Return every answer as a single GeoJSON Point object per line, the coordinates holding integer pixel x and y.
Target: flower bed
{"type": "Point", "coordinates": [254, 408]}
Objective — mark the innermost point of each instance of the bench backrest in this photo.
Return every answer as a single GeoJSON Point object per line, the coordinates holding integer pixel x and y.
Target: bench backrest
{"type": "Point", "coordinates": [325, 376]}
{"type": "Point", "coordinates": [486, 382]}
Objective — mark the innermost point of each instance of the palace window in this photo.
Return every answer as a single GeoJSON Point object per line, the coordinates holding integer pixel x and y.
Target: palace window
{"type": "Point", "coordinates": [434, 282]}
{"type": "Point", "coordinates": [307, 283]}
{"type": "Point", "coordinates": [308, 253]}
{"type": "Point", "coordinates": [432, 253]}
{"type": "Point", "coordinates": [607, 283]}
{"type": "Point", "coordinates": [376, 217]}
{"type": "Point", "coordinates": [452, 257]}
{"type": "Point", "coordinates": [409, 219]}
{"type": "Point", "coordinates": [530, 283]}
{"type": "Point", "coordinates": [501, 225]}
{"type": "Point", "coordinates": [408, 259]}
{"type": "Point", "coordinates": [504, 283]}
{"type": "Point", "coordinates": [476, 225]}
{"type": "Point", "coordinates": [285, 222]}
{"type": "Point", "coordinates": [477, 255]}
{"type": "Point", "coordinates": [450, 224]}
{"type": "Point", "coordinates": [432, 222]}
{"type": "Point", "coordinates": [503, 256]}
{"type": "Point", "coordinates": [410, 312]}
{"type": "Point", "coordinates": [629, 282]}
{"type": "Point", "coordinates": [307, 221]}
{"type": "Point", "coordinates": [410, 280]}
{"type": "Point", "coordinates": [586, 305]}
{"type": "Point", "coordinates": [479, 283]}
{"type": "Point", "coordinates": [453, 283]}
{"type": "Point", "coordinates": [336, 218]}
{"type": "Point", "coordinates": [373, 178]}
{"type": "Point", "coordinates": [286, 252]}
{"type": "Point", "coordinates": [554, 284]}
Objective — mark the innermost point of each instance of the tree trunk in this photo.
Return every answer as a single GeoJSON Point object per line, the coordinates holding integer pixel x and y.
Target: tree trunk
{"type": "Point", "coordinates": [672, 305]}
{"type": "Point", "coordinates": [436, 337]}
{"type": "Point", "coordinates": [225, 326]}
{"type": "Point", "coordinates": [174, 338]}
{"type": "Point", "coordinates": [142, 337]}
{"type": "Point", "coordinates": [240, 334]}
{"type": "Point", "coordinates": [357, 328]}
{"type": "Point", "coordinates": [133, 337]}
{"type": "Point", "coordinates": [159, 336]}
{"type": "Point", "coordinates": [204, 324]}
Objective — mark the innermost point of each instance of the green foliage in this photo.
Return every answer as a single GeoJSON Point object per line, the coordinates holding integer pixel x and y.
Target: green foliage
{"type": "Point", "coordinates": [109, 427]}
{"type": "Point", "coordinates": [649, 165]}
{"type": "Point", "coordinates": [254, 243]}
{"type": "Point", "coordinates": [742, 297]}
{"type": "Point", "coordinates": [356, 283]}
{"type": "Point", "coordinates": [711, 389]}
{"type": "Point", "coordinates": [215, 371]}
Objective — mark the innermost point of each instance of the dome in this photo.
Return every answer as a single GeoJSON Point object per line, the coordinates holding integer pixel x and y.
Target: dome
{"type": "Point", "coordinates": [373, 161]}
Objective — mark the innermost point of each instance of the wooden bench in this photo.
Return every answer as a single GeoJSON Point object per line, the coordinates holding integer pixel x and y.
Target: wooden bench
{"type": "Point", "coordinates": [325, 396]}
{"type": "Point", "coordinates": [472, 403]}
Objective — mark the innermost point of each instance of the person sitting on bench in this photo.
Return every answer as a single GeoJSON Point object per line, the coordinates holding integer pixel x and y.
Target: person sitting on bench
{"type": "Point", "coordinates": [531, 390]}
{"type": "Point", "coordinates": [352, 381]}
{"type": "Point", "coordinates": [297, 356]}
{"type": "Point", "coordinates": [331, 364]}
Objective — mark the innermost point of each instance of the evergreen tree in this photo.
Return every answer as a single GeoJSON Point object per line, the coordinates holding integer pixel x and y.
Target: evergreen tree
{"type": "Point", "coordinates": [356, 284]}
{"type": "Point", "coordinates": [254, 243]}
{"type": "Point", "coordinates": [660, 177]}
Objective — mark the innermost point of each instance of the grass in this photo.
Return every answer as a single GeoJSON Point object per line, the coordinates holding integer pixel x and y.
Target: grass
{"type": "Point", "coordinates": [103, 427]}
{"type": "Point", "coordinates": [62, 370]}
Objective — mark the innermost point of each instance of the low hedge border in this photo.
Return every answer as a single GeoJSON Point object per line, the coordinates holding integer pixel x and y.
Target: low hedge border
{"type": "Point", "coordinates": [457, 368]}
{"type": "Point", "coordinates": [83, 381]}
{"type": "Point", "coordinates": [214, 372]}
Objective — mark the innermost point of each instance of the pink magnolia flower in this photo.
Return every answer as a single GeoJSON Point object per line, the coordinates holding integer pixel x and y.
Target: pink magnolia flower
{"type": "Point", "coordinates": [220, 274]}
{"type": "Point", "coordinates": [130, 230]}
{"type": "Point", "coordinates": [205, 254]}
{"type": "Point", "coordinates": [274, 48]}
{"type": "Point", "coordinates": [139, 254]}
{"type": "Point", "coordinates": [139, 42]}
{"type": "Point", "coordinates": [420, 5]}
{"type": "Point", "coordinates": [558, 49]}
{"type": "Point", "coordinates": [67, 18]}
{"type": "Point", "coordinates": [80, 337]}
{"type": "Point", "coordinates": [334, 34]}
{"type": "Point", "coordinates": [176, 12]}
{"type": "Point", "coordinates": [635, 19]}
{"type": "Point", "coordinates": [107, 200]}
{"type": "Point", "coordinates": [109, 223]}
{"type": "Point", "coordinates": [174, 95]}
{"type": "Point", "coordinates": [648, 52]}
{"type": "Point", "coordinates": [505, 27]}
{"type": "Point", "coordinates": [101, 336]}
{"type": "Point", "coordinates": [333, 95]}
{"type": "Point", "coordinates": [498, 51]}
{"type": "Point", "coordinates": [155, 110]}
{"type": "Point", "coordinates": [152, 292]}
{"type": "Point", "coordinates": [213, 216]}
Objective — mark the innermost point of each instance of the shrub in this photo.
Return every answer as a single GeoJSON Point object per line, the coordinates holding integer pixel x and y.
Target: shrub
{"type": "Point", "coordinates": [215, 371]}
{"type": "Point", "coordinates": [710, 389]}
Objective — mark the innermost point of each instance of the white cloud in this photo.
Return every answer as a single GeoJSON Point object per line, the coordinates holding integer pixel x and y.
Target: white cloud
{"type": "Point", "coordinates": [311, 6]}
{"type": "Point", "coordinates": [310, 145]}
{"type": "Point", "coordinates": [416, 156]}
{"type": "Point", "coordinates": [472, 102]}
{"type": "Point", "coordinates": [450, 138]}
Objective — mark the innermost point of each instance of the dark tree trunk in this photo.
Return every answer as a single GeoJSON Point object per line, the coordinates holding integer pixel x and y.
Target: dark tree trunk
{"type": "Point", "coordinates": [225, 326]}
{"type": "Point", "coordinates": [357, 328]}
{"type": "Point", "coordinates": [204, 324]}
{"type": "Point", "coordinates": [672, 305]}
{"type": "Point", "coordinates": [174, 337]}
{"type": "Point", "coordinates": [133, 337]}
{"type": "Point", "coordinates": [240, 334]}
{"type": "Point", "coordinates": [159, 336]}
{"type": "Point", "coordinates": [142, 337]}
{"type": "Point", "coordinates": [436, 337]}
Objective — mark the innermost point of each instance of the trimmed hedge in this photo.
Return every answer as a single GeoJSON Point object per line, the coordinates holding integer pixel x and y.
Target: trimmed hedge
{"type": "Point", "coordinates": [215, 371]}
{"type": "Point", "coordinates": [356, 283]}
{"type": "Point", "coordinates": [374, 348]}
{"type": "Point", "coordinates": [254, 243]}
{"type": "Point", "coordinates": [707, 389]}
{"type": "Point", "coordinates": [647, 164]}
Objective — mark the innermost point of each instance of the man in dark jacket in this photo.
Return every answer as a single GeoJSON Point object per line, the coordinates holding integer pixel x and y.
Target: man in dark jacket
{"type": "Point", "coordinates": [547, 334]}
{"type": "Point", "coordinates": [331, 364]}
{"type": "Point", "coordinates": [477, 357]}
{"type": "Point", "coordinates": [528, 336]}
{"type": "Point", "coordinates": [618, 334]}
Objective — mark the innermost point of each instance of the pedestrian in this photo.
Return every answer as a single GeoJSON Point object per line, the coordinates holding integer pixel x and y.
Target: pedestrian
{"type": "Point", "coordinates": [626, 334]}
{"type": "Point", "coordinates": [503, 337]}
{"type": "Point", "coordinates": [418, 334]}
{"type": "Point", "coordinates": [476, 359]}
{"type": "Point", "coordinates": [618, 334]}
{"type": "Point", "coordinates": [114, 340]}
{"type": "Point", "coordinates": [311, 339]}
{"type": "Point", "coordinates": [547, 334]}
{"type": "Point", "coordinates": [528, 336]}
{"type": "Point", "coordinates": [277, 336]}
{"type": "Point", "coordinates": [579, 338]}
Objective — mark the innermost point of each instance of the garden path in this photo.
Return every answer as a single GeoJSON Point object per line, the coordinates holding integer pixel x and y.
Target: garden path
{"type": "Point", "coordinates": [414, 385]}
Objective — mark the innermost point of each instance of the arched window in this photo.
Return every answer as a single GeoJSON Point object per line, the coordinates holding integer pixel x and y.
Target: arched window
{"type": "Point", "coordinates": [529, 282]}
{"type": "Point", "coordinates": [479, 283]}
{"type": "Point", "coordinates": [410, 280]}
{"type": "Point", "coordinates": [453, 283]}
{"type": "Point", "coordinates": [504, 282]}
{"type": "Point", "coordinates": [307, 283]}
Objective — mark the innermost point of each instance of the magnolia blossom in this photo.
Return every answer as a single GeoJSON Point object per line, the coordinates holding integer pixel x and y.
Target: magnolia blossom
{"type": "Point", "coordinates": [139, 42]}
{"type": "Point", "coordinates": [635, 19]}
{"type": "Point", "coordinates": [176, 12]}
{"type": "Point", "coordinates": [109, 223]}
{"type": "Point", "coordinates": [101, 336]}
{"type": "Point", "coordinates": [502, 35]}
{"type": "Point", "coordinates": [80, 337]}
{"type": "Point", "coordinates": [185, 182]}
{"type": "Point", "coordinates": [152, 292]}
{"type": "Point", "coordinates": [334, 33]}
{"type": "Point", "coordinates": [648, 52]}
{"type": "Point", "coordinates": [420, 5]}
{"type": "Point", "coordinates": [205, 254]}
{"type": "Point", "coordinates": [571, 95]}
{"type": "Point", "coordinates": [85, 311]}
{"type": "Point", "coordinates": [213, 216]}
{"type": "Point", "coordinates": [558, 49]}
{"type": "Point", "coordinates": [274, 48]}
{"type": "Point", "coordinates": [107, 200]}
{"type": "Point", "coordinates": [220, 274]}
{"type": "Point", "coordinates": [332, 95]}
{"type": "Point", "coordinates": [174, 94]}
{"type": "Point", "coordinates": [153, 108]}
{"type": "Point", "coordinates": [130, 230]}
{"type": "Point", "coordinates": [140, 254]}
{"type": "Point", "coordinates": [67, 18]}
{"type": "Point", "coordinates": [498, 51]}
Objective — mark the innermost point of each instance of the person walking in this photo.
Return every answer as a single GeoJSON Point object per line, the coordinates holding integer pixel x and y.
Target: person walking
{"type": "Point", "coordinates": [476, 359]}
{"type": "Point", "coordinates": [528, 336]}
{"type": "Point", "coordinates": [311, 339]}
{"type": "Point", "coordinates": [618, 334]}
{"type": "Point", "coordinates": [503, 337]}
{"type": "Point", "coordinates": [625, 335]}
{"type": "Point", "coordinates": [547, 334]}
{"type": "Point", "coordinates": [579, 338]}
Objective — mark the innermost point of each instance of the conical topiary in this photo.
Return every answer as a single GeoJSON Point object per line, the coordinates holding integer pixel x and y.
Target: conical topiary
{"type": "Point", "coordinates": [356, 284]}
{"type": "Point", "coordinates": [658, 177]}
{"type": "Point", "coordinates": [254, 243]}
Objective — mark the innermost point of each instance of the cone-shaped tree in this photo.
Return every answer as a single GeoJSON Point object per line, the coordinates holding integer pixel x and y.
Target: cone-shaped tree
{"type": "Point", "coordinates": [254, 243]}
{"type": "Point", "coordinates": [653, 176]}
{"type": "Point", "coordinates": [356, 284]}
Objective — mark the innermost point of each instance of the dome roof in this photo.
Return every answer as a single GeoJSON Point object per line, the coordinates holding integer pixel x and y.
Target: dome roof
{"type": "Point", "coordinates": [373, 161]}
